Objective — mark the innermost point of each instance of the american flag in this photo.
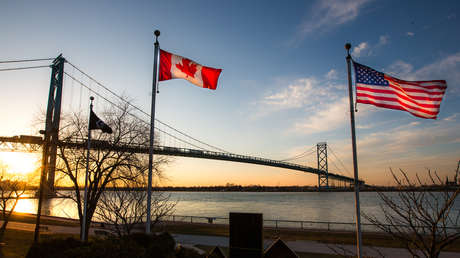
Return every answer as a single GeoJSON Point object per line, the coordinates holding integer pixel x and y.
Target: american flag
{"type": "Point", "coordinates": [420, 98]}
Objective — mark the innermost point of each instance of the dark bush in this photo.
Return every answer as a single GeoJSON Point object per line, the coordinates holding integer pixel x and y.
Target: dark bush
{"type": "Point", "coordinates": [53, 249]}
{"type": "Point", "coordinates": [132, 246]}
{"type": "Point", "coordinates": [161, 245]}
{"type": "Point", "coordinates": [183, 252]}
{"type": "Point", "coordinates": [110, 248]}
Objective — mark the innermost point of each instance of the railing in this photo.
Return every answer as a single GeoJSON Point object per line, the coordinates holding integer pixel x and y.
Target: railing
{"type": "Point", "coordinates": [286, 224]}
{"type": "Point", "coordinates": [269, 223]}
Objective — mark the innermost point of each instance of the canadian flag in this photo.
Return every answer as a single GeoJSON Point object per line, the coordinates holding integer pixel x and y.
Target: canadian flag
{"type": "Point", "coordinates": [177, 67]}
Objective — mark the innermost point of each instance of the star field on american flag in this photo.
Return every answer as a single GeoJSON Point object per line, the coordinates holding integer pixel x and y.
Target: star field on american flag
{"type": "Point", "coordinates": [369, 76]}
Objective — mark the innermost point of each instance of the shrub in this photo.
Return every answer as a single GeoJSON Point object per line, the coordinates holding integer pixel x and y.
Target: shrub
{"type": "Point", "coordinates": [53, 249]}
{"type": "Point", "coordinates": [133, 246]}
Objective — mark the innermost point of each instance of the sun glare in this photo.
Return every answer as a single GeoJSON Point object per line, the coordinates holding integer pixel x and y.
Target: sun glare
{"type": "Point", "coordinates": [19, 163]}
{"type": "Point", "coordinates": [26, 205]}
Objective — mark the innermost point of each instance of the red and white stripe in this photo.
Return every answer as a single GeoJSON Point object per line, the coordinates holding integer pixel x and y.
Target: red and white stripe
{"type": "Point", "coordinates": [420, 98]}
{"type": "Point", "coordinates": [177, 67]}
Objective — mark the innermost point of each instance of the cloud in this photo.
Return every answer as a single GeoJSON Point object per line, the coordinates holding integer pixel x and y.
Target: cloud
{"type": "Point", "coordinates": [295, 95]}
{"type": "Point", "coordinates": [331, 75]}
{"type": "Point", "coordinates": [410, 34]}
{"type": "Point", "coordinates": [400, 69]}
{"type": "Point", "coordinates": [401, 147]}
{"type": "Point", "coordinates": [361, 126]}
{"type": "Point", "coordinates": [404, 138]}
{"type": "Point", "coordinates": [383, 40]}
{"type": "Point", "coordinates": [366, 49]}
{"type": "Point", "coordinates": [447, 69]}
{"type": "Point", "coordinates": [360, 49]}
{"type": "Point", "coordinates": [306, 93]}
{"type": "Point", "coordinates": [321, 98]}
{"type": "Point", "coordinates": [327, 118]}
{"type": "Point", "coordinates": [452, 117]}
{"type": "Point", "coordinates": [328, 14]}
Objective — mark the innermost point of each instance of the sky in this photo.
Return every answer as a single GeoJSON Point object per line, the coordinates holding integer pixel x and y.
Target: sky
{"type": "Point", "coordinates": [283, 87]}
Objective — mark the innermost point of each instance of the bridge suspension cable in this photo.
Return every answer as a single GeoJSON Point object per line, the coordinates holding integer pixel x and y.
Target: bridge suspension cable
{"type": "Point", "coordinates": [133, 115]}
{"type": "Point", "coordinates": [143, 112]}
{"type": "Point", "coordinates": [25, 60]}
{"type": "Point", "coordinates": [23, 68]}
{"type": "Point", "coordinates": [302, 155]}
{"type": "Point", "coordinates": [140, 119]}
{"type": "Point", "coordinates": [333, 163]}
{"type": "Point", "coordinates": [345, 168]}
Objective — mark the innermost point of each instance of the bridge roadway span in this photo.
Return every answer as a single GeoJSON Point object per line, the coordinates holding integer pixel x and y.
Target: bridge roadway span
{"type": "Point", "coordinates": [173, 151]}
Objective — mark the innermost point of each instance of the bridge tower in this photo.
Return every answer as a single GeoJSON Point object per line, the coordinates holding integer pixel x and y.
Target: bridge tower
{"type": "Point", "coordinates": [321, 154]}
{"type": "Point", "coordinates": [51, 132]}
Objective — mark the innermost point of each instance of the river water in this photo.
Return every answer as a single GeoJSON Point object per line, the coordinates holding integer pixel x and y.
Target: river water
{"type": "Point", "coordinates": [313, 208]}
{"type": "Point", "coordinates": [297, 206]}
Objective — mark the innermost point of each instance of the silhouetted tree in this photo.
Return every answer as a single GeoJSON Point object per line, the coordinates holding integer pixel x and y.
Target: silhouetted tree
{"type": "Point", "coordinates": [123, 208]}
{"type": "Point", "coordinates": [109, 165]}
{"type": "Point", "coordinates": [424, 221]}
{"type": "Point", "coordinates": [10, 192]}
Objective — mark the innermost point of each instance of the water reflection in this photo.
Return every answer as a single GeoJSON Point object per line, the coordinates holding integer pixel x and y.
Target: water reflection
{"type": "Point", "coordinates": [307, 206]}
{"type": "Point", "coordinates": [59, 207]}
{"type": "Point", "coordinates": [26, 206]}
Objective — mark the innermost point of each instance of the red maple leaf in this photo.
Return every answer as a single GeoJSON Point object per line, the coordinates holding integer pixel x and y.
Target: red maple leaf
{"type": "Point", "coordinates": [187, 67]}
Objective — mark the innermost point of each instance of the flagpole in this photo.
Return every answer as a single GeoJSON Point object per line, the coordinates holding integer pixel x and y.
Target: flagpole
{"type": "Point", "coordinates": [355, 159]}
{"type": "Point", "coordinates": [85, 198]}
{"type": "Point", "coordinates": [152, 130]}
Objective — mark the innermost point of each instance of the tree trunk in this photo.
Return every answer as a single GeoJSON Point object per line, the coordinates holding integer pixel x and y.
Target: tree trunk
{"type": "Point", "coordinates": [6, 218]}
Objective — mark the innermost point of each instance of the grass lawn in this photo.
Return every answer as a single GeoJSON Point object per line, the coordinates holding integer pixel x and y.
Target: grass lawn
{"type": "Point", "coordinates": [18, 242]}
{"type": "Point", "coordinates": [31, 218]}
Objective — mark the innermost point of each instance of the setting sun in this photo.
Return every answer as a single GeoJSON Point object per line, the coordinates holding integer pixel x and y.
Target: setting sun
{"type": "Point", "coordinates": [19, 163]}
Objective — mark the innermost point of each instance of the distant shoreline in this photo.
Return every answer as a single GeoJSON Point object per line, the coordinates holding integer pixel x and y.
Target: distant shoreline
{"type": "Point", "coordinates": [238, 188]}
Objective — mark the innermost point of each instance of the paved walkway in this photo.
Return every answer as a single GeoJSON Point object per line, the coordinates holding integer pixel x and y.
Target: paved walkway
{"type": "Point", "coordinates": [306, 246]}
{"type": "Point", "coordinates": [298, 245]}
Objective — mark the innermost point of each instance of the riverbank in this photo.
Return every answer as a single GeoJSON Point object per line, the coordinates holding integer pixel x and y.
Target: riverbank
{"type": "Point", "coordinates": [204, 235]}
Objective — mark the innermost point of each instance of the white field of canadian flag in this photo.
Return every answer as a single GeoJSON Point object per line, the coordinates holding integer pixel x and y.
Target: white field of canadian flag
{"type": "Point", "coordinates": [177, 67]}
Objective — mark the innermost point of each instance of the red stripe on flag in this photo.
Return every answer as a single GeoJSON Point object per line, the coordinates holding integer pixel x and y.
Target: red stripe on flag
{"type": "Point", "coordinates": [396, 99]}
{"type": "Point", "coordinates": [400, 92]}
{"type": "Point", "coordinates": [417, 89]}
{"type": "Point", "coordinates": [396, 107]}
{"type": "Point", "coordinates": [396, 90]}
{"type": "Point", "coordinates": [165, 66]}
{"type": "Point", "coordinates": [399, 102]}
{"type": "Point", "coordinates": [419, 83]}
{"type": "Point", "coordinates": [210, 76]}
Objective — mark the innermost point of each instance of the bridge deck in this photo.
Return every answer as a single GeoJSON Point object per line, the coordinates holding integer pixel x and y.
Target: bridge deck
{"type": "Point", "coordinates": [183, 152]}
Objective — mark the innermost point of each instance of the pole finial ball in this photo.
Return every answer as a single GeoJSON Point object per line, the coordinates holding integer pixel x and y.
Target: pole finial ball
{"type": "Point", "coordinates": [157, 33]}
{"type": "Point", "coordinates": [347, 46]}
{"type": "Point", "coordinates": [91, 98]}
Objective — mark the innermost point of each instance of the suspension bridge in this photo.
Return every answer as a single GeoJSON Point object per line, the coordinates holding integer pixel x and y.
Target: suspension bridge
{"type": "Point", "coordinates": [189, 146]}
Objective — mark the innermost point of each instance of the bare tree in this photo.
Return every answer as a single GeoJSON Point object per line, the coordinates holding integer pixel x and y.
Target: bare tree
{"type": "Point", "coordinates": [11, 191]}
{"type": "Point", "coordinates": [424, 220]}
{"type": "Point", "coordinates": [125, 207]}
{"type": "Point", "coordinates": [111, 160]}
